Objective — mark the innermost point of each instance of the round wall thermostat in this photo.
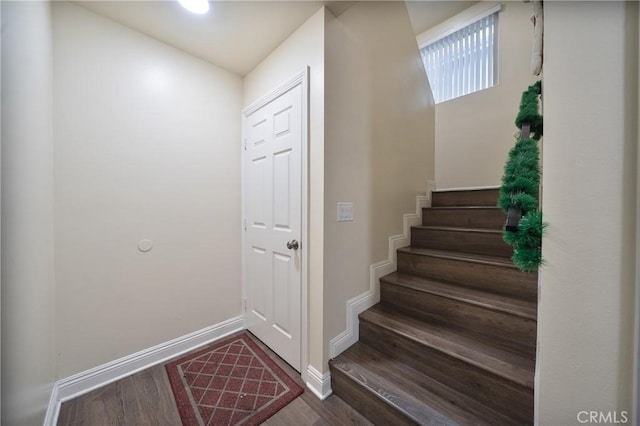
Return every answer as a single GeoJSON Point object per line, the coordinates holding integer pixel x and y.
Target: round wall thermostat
{"type": "Point", "coordinates": [145, 245]}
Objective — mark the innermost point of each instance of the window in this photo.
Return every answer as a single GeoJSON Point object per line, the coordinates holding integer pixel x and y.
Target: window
{"type": "Point", "coordinates": [464, 61]}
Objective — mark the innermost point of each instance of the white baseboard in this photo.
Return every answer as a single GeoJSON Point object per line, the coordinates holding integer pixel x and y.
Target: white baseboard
{"type": "Point", "coordinates": [365, 300]}
{"type": "Point", "coordinates": [86, 381]}
{"type": "Point", "coordinates": [51, 416]}
{"type": "Point", "coordinates": [318, 383]}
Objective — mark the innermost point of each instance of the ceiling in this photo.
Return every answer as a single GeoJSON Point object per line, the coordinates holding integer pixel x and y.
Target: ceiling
{"type": "Point", "coordinates": [237, 34]}
{"type": "Point", "coordinates": [428, 14]}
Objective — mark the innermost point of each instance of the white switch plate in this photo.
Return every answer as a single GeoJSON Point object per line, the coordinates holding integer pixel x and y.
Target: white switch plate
{"type": "Point", "coordinates": [345, 212]}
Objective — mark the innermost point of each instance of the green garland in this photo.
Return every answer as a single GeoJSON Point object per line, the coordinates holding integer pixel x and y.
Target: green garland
{"type": "Point", "coordinates": [529, 110]}
{"type": "Point", "coordinates": [520, 185]}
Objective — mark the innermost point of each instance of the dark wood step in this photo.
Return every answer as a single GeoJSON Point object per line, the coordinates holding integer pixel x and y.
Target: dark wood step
{"type": "Point", "coordinates": [377, 383]}
{"type": "Point", "coordinates": [474, 197]}
{"type": "Point", "coordinates": [486, 273]}
{"type": "Point", "coordinates": [496, 378]}
{"type": "Point", "coordinates": [464, 217]}
{"type": "Point", "coordinates": [467, 240]}
{"type": "Point", "coordinates": [510, 323]}
{"type": "Point", "coordinates": [477, 352]}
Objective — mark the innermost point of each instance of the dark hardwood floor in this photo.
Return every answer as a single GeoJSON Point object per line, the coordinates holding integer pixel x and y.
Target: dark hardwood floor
{"type": "Point", "coordinates": [145, 398]}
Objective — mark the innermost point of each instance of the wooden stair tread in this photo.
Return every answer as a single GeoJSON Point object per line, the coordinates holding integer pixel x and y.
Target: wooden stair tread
{"type": "Point", "coordinates": [454, 343]}
{"type": "Point", "coordinates": [474, 197]}
{"type": "Point", "coordinates": [454, 255]}
{"type": "Point", "coordinates": [462, 238]}
{"type": "Point", "coordinates": [453, 339]}
{"type": "Point", "coordinates": [464, 294]}
{"type": "Point", "coordinates": [466, 190]}
{"type": "Point", "coordinates": [473, 208]}
{"type": "Point", "coordinates": [459, 229]}
{"type": "Point", "coordinates": [485, 217]}
{"type": "Point", "coordinates": [419, 397]}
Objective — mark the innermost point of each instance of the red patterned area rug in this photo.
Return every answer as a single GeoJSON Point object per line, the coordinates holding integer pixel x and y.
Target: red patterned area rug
{"type": "Point", "coordinates": [231, 382]}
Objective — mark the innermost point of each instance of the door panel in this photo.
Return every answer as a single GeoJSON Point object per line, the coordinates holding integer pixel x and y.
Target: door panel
{"type": "Point", "coordinates": [273, 210]}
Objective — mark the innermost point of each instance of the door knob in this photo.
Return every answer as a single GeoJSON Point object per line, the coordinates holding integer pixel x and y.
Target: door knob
{"type": "Point", "coordinates": [293, 244]}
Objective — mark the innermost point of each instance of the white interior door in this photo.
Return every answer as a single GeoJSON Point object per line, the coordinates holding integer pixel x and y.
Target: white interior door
{"type": "Point", "coordinates": [273, 137]}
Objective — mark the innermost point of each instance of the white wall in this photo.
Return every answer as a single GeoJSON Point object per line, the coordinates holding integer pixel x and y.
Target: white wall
{"type": "Point", "coordinates": [146, 147]}
{"type": "Point", "coordinates": [379, 144]}
{"type": "Point", "coordinates": [586, 310]}
{"type": "Point", "coordinates": [305, 47]}
{"type": "Point", "coordinates": [27, 213]}
{"type": "Point", "coordinates": [474, 133]}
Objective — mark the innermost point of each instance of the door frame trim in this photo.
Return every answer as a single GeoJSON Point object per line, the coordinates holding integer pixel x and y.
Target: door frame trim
{"type": "Point", "coordinates": [302, 79]}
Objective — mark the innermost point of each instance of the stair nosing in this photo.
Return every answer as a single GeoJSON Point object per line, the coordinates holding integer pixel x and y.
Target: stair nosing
{"type": "Point", "coordinates": [458, 229]}
{"type": "Point", "coordinates": [389, 279]}
{"type": "Point", "coordinates": [459, 255]}
{"type": "Point", "coordinates": [488, 188]}
{"type": "Point", "coordinates": [528, 383]}
{"type": "Point", "coordinates": [469, 207]}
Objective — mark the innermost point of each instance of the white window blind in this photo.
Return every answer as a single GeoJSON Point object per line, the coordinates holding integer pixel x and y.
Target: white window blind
{"type": "Point", "coordinates": [462, 62]}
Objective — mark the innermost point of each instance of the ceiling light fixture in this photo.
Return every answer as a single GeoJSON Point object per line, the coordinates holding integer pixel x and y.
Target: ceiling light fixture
{"type": "Point", "coordinates": [195, 6]}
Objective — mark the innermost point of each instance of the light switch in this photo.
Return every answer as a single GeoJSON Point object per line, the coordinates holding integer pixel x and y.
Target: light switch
{"type": "Point", "coordinates": [345, 212]}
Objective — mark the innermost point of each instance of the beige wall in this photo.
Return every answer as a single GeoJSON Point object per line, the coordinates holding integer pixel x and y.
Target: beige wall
{"type": "Point", "coordinates": [474, 133]}
{"type": "Point", "coordinates": [27, 213]}
{"type": "Point", "coordinates": [378, 130]}
{"type": "Point", "coordinates": [586, 310]}
{"type": "Point", "coordinates": [305, 47]}
{"type": "Point", "coordinates": [146, 147]}
{"type": "Point", "coordinates": [379, 143]}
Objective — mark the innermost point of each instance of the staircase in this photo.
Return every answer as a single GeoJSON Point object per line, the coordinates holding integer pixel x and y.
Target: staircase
{"type": "Point", "coordinates": [453, 339]}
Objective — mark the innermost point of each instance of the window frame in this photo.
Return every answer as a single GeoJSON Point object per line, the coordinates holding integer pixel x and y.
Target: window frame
{"type": "Point", "coordinates": [458, 22]}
